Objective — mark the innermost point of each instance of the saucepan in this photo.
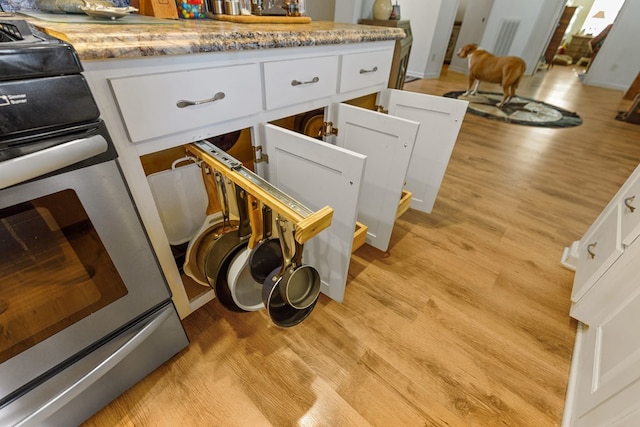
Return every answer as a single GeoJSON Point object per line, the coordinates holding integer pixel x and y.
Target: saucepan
{"type": "Point", "coordinates": [267, 254]}
{"type": "Point", "coordinates": [282, 312]}
{"type": "Point", "coordinates": [300, 283]}
{"type": "Point", "coordinates": [245, 290]}
{"type": "Point", "coordinates": [228, 244]}
{"type": "Point", "coordinates": [210, 230]}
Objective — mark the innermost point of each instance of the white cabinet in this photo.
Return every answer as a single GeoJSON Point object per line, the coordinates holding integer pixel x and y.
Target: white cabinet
{"type": "Point", "coordinates": [605, 373]}
{"type": "Point", "coordinates": [388, 142]}
{"type": "Point", "coordinates": [608, 366]}
{"type": "Point", "coordinates": [159, 104]}
{"type": "Point", "coordinates": [440, 120]}
{"type": "Point", "coordinates": [630, 214]}
{"type": "Point", "coordinates": [312, 172]}
{"type": "Point", "coordinates": [363, 70]}
{"type": "Point", "coordinates": [318, 174]}
{"type": "Point", "coordinates": [360, 177]}
{"type": "Point", "coordinates": [290, 82]}
{"type": "Point", "coordinates": [597, 251]}
{"type": "Point", "coordinates": [360, 173]}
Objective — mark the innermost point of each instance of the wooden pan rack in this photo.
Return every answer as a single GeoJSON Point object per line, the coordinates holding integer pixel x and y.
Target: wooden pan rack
{"type": "Point", "coordinates": [307, 223]}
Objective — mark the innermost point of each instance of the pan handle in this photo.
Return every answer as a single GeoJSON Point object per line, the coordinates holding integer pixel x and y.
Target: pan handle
{"type": "Point", "coordinates": [244, 228]}
{"type": "Point", "coordinates": [267, 221]}
{"type": "Point", "coordinates": [284, 245]}
{"type": "Point", "coordinates": [222, 196]}
{"type": "Point", "coordinates": [297, 254]}
{"type": "Point", "coordinates": [255, 221]}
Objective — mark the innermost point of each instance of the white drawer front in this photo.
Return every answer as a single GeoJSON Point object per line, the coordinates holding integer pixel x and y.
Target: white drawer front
{"type": "Point", "coordinates": [149, 103]}
{"type": "Point", "coordinates": [292, 82]}
{"type": "Point", "coordinates": [360, 70]}
{"type": "Point", "coordinates": [597, 252]}
{"type": "Point", "coordinates": [631, 212]}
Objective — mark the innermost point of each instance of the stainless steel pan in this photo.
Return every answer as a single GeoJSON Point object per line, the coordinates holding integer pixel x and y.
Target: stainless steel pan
{"type": "Point", "coordinates": [227, 245]}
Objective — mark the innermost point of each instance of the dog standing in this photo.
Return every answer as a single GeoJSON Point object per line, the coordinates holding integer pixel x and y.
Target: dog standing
{"type": "Point", "coordinates": [483, 66]}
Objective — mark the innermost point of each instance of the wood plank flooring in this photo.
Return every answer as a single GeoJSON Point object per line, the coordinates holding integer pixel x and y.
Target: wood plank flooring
{"type": "Point", "coordinates": [463, 322]}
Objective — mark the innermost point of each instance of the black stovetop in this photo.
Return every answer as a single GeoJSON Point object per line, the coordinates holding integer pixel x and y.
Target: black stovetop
{"type": "Point", "coordinates": [26, 52]}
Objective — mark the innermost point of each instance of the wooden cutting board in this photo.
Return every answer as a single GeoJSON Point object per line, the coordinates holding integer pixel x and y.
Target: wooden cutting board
{"type": "Point", "coordinates": [253, 19]}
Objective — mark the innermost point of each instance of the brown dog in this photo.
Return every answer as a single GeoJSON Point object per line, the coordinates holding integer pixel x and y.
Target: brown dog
{"type": "Point", "coordinates": [483, 66]}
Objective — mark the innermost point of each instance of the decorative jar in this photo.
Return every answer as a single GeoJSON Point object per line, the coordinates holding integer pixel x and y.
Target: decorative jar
{"type": "Point", "coordinates": [382, 9]}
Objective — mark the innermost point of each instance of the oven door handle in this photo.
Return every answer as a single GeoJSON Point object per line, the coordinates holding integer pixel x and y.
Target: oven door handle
{"type": "Point", "coordinates": [102, 369]}
{"type": "Point", "coordinates": [33, 165]}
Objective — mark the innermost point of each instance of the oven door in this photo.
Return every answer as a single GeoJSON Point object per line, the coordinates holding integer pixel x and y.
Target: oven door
{"type": "Point", "coordinates": [76, 264]}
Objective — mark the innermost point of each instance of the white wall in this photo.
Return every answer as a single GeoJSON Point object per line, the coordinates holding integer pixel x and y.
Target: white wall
{"type": "Point", "coordinates": [347, 11]}
{"type": "Point", "coordinates": [584, 6]}
{"type": "Point", "coordinates": [536, 22]}
{"type": "Point", "coordinates": [474, 22]}
{"type": "Point", "coordinates": [320, 10]}
{"type": "Point", "coordinates": [616, 66]}
{"type": "Point", "coordinates": [424, 19]}
{"type": "Point", "coordinates": [440, 39]}
{"type": "Point", "coordinates": [618, 61]}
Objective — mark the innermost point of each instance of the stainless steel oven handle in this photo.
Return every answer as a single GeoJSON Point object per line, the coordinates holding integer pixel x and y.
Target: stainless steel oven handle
{"type": "Point", "coordinates": [29, 166]}
{"type": "Point", "coordinates": [63, 398]}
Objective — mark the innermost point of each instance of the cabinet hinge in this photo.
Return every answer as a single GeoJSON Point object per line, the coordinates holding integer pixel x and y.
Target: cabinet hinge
{"type": "Point", "coordinates": [263, 157]}
{"type": "Point", "coordinates": [381, 109]}
{"type": "Point", "coordinates": [328, 129]}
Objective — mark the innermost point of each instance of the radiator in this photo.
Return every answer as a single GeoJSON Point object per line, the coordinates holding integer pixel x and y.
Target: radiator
{"type": "Point", "coordinates": [506, 34]}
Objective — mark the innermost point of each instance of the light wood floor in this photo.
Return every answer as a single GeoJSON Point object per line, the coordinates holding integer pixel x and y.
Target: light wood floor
{"type": "Point", "coordinates": [463, 322]}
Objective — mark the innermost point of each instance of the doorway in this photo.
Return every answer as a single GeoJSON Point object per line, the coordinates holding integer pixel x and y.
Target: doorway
{"type": "Point", "coordinates": [590, 17]}
{"type": "Point", "coordinates": [474, 21]}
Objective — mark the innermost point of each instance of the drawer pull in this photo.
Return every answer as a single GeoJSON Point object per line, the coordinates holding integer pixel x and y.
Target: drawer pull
{"type": "Point", "coordinates": [298, 82]}
{"type": "Point", "coordinates": [184, 103]}
{"type": "Point", "coordinates": [590, 248]}
{"type": "Point", "coordinates": [627, 203]}
{"type": "Point", "coordinates": [373, 70]}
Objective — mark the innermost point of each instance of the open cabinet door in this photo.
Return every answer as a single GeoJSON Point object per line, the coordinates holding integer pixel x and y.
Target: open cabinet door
{"type": "Point", "coordinates": [387, 142]}
{"type": "Point", "coordinates": [318, 174]}
{"type": "Point", "coordinates": [440, 119]}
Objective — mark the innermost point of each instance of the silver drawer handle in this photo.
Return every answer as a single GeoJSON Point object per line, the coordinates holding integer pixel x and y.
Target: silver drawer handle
{"type": "Point", "coordinates": [628, 201]}
{"type": "Point", "coordinates": [590, 248]}
{"type": "Point", "coordinates": [373, 70]}
{"type": "Point", "coordinates": [298, 82]}
{"type": "Point", "coordinates": [184, 103]}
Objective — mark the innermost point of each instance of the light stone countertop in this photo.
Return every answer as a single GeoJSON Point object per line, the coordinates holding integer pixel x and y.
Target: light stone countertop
{"type": "Point", "coordinates": [104, 41]}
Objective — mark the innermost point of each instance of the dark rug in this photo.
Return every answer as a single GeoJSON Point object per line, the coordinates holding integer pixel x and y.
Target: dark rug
{"type": "Point", "coordinates": [519, 111]}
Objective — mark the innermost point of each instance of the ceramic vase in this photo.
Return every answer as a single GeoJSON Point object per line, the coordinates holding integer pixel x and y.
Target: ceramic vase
{"type": "Point", "coordinates": [382, 9]}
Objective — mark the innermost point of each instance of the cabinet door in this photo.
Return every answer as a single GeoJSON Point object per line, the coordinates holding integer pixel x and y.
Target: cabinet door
{"type": "Point", "coordinates": [387, 142]}
{"type": "Point", "coordinates": [630, 213]}
{"type": "Point", "coordinates": [440, 120]}
{"type": "Point", "coordinates": [159, 104]}
{"type": "Point", "coordinates": [597, 252]}
{"type": "Point", "coordinates": [318, 174]}
{"type": "Point", "coordinates": [608, 382]}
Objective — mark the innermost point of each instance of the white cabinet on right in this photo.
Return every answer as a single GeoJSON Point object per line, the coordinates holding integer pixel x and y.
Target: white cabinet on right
{"type": "Point", "coordinates": [604, 384]}
{"type": "Point", "coordinates": [608, 369]}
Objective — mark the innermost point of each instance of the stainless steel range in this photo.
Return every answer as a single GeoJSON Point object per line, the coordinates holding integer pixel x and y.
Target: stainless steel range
{"type": "Point", "coordinates": [85, 311]}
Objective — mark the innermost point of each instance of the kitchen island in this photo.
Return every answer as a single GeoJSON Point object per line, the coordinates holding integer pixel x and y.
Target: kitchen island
{"type": "Point", "coordinates": [228, 57]}
{"type": "Point", "coordinates": [162, 87]}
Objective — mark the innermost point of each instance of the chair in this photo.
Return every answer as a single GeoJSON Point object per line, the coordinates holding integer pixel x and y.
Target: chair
{"type": "Point", "coordinates": [586, 60]}
{"type": "Point", "coordinates": [583, 62]}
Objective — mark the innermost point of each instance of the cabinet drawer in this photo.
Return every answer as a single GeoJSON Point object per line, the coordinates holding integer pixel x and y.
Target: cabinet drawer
{"type": "Point", "coordinates": [597, 252]}
{"type": "Point", "coordinates": [149, 103]}
{"type": "Point", "coordinates": [292, 82]}
{"type": "Point", "coordinates": [630, 212]}
{"type": "Point", "coordinates": [366, 69]}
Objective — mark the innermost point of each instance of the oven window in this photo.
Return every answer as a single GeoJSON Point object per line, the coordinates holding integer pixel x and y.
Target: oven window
{"type": "Point", "coordinates": [54, 270]}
